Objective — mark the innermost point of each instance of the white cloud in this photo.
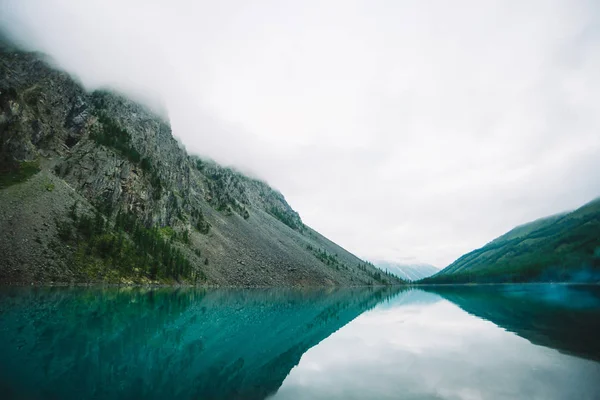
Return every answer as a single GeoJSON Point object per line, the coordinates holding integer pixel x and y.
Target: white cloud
{"type": "Point", "coordinates": [399, 129]}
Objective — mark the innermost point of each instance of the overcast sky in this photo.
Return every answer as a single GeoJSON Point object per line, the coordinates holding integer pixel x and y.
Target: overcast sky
{"type": "Point", "coordinates": [402, 130]}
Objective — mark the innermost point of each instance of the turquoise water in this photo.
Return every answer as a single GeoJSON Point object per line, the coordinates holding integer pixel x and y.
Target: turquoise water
{"type": "Point", "coordinates": [504, 342]}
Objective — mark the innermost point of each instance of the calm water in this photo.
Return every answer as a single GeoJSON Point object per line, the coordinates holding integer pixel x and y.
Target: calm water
{"type": "Point", "coordinates": [506, 342]}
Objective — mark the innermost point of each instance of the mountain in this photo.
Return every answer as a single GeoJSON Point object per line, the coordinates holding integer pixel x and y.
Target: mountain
{"type": "Point", "coordinates": [408, 272]}
{"type": "Point", "coordinates": [559, 248]}
{"type": "Point", "coordinates": [94, 188]}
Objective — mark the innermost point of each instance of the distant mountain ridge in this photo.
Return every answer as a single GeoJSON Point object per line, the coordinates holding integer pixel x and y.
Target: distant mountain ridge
{"type": "Point", "coordinates": [410, 272]}
{"type": "Point", "coordinates": [560, 248]}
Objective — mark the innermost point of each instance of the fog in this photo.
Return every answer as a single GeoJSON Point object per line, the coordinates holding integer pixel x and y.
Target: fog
{"type": "Point", "coordinates": [402, 130]}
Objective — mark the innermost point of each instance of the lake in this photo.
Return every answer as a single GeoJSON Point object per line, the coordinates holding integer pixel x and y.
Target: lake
{"type": "Point", "coordinates": [479, 342]}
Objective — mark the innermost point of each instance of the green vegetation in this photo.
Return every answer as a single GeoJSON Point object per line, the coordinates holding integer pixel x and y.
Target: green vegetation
{"type": "Point", "coordinates": [333, 261]}
{"type": "Point", "coordinates": [225, 208]}
{"type": "Point", "coordinates": [200, 165]}
{"type": "Point", "coordinates": [155, 180]}
{"type": "Point", "coordinates": [555, 249]}
{"type": "Point", "coordinates": [32, 96]}
{"type": "Point", "coordinates": [383, 277]}
{"type": "Point", "coordinates": [290, 219]}
{"type": "Point", "coordinates": [19, 172]}
{"type": "Point", "coordinates": [245, 214]}
{"type": "Point", "coordinates": [113, 136]}
{"type": "Point", "coordinates": [327, 258]}
{"type": "Point", "coordinates": [127, 250]}
{"type": "Point", "coordinates": [202, 225]}
{"type": "Point", "coordinates": [48, 185]}
{"type": "Point", "coordinates": [155, 252]}
{"type": "Point", "coordinates": [168, 232]}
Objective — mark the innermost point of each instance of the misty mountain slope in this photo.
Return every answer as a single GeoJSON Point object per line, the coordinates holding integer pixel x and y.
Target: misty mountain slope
{"type": "Point", "coordinates": [410, 272]}
{"type": "Point", "coordinates": [93, 187]}
{"type": "Point", "coordinates": [526, 229]}
{"type": "Point", "coordinates": [564, 247]}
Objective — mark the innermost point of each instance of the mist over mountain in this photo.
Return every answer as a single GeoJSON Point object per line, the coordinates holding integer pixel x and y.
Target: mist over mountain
{"type": "Point", "coordinates": [408, 271]}
{"type": "Point", "coordinates": [461, 138]}
{"type": "Point", "coordinates": [94, 188]}
{"type": "Point", "coordinates": [460, 132]}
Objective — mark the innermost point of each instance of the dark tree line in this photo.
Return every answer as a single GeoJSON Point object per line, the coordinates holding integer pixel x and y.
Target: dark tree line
{"type": "Point", "coordinates": [161, 258]}
{"type": "Point", "coordinates": [129, 247]}
{"type": "Point", "coordinates": [202, 225]}
{"type": "Point", "coordinates": [333, 261]}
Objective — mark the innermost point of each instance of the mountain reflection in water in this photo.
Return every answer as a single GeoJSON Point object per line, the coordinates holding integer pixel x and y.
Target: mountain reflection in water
{"type": "Point", "coordinates": [442, 342]}
{"type": "Point", "coordinates": [164, 343]}
{"type": "Point", "coordinates": [421, 345]}
{"type": "Point", "coordinates": [562, 317]}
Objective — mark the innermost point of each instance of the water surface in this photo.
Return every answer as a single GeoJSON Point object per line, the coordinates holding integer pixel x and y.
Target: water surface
{"type": "Point", "coordinates": [529, 341]}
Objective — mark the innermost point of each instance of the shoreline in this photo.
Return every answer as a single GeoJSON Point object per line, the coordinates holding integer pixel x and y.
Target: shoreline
{"type": "Point", "coordinates": [187, 286]}
{"type": "Point", "coordinates": [166, 285]}
{"type": "Point", "coordinates": [509, 284]}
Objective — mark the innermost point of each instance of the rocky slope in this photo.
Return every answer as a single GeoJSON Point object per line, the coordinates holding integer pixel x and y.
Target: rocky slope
{"type": "Point", "coordinates": [559, 248]}
{"type": "Point", "coordinates": [93, 187]}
